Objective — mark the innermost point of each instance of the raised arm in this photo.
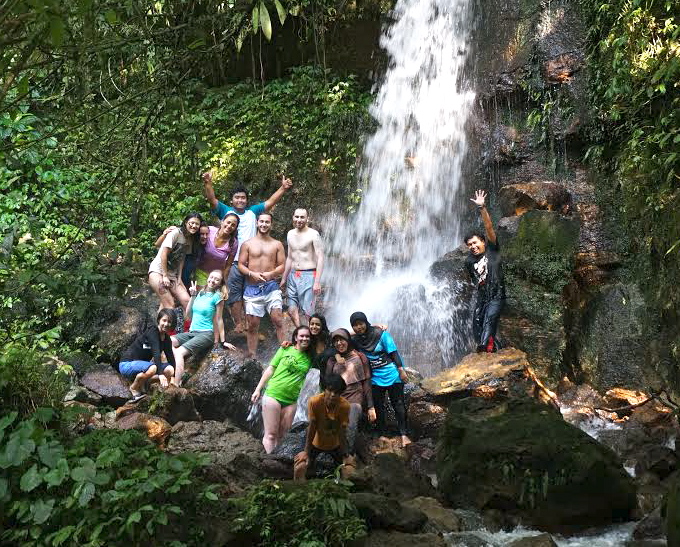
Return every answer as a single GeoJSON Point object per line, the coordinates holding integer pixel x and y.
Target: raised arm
{"type": "Point", "coordinates": [479, 200]}
{"type": "Point", "coordinates": [286, 184]}
{"type": "Point", "coordinates": [208, 190]}
{"type": "Point", "coordinates": [318, 251]}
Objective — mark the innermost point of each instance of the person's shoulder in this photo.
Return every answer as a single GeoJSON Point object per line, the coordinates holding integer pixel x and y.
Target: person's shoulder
{"type": "Point", "coordinates": [344, 404]}
{"type": "Point", "coordinates": [257, 208]}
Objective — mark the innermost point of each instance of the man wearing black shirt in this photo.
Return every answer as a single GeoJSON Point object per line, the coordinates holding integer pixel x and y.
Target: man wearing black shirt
{"type": "Point", "coordinates": [486, 272]}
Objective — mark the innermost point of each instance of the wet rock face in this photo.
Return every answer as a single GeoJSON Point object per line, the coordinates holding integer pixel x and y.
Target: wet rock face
{"type": "Point", "coordinates": [379, 477]}
{"type": "Point", "coordinates": [511, 457]}
{"type": "Point", "coordinates": [612, 341]}
{"type": "Point", "coordinates": [222, 387]}
{"type": "Point", "coordinates": [393, 538]}
{"type": "Point", "coordinates": [107, 384]}
{"type": "Point", "coordinates": [517, 199]}
{"type": "Point", "coordinates": [117, 335]}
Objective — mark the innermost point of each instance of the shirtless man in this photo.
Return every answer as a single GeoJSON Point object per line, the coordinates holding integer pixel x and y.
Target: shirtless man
{"type": "Point", "coordinates": [261, 261]}
{"type": "Point", "coordinates": [304, 265]}
{"type": "Point", "coordinates": [247, 228]}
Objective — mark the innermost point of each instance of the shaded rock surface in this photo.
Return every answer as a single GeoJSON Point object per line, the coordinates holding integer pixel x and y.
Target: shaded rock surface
{"type": "Point", "coordinates": [540, 540]}
{"type": "Point", "coordinates": [107, 383]}
{"type": "Point", "coordinates": [440, 519]}
{"type": "Point", "coordinates": [173, 404]}
{"type": "Point", "coordinates": [116, 335]}
{"type": "Point", "coordinates": [513, 457]}
{"type": "Point", "coordinates": [379, 477]}
{"type": "Point", "coordinates": [381, 512]}
{"type": "Point", "coordinates": [222, 386]}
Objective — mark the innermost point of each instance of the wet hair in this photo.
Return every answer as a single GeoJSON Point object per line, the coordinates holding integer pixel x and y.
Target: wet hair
{"type": "Point", "coordinates": [239, 189]}
{"type": "Point", "coordinates": [293, 338]}
{"type": "Point", "coordinates": [265, 213]}
{"type": "Point", "coordinates": [335, 383]}
{"type": "Point", "coordinates": [170, 314]}
{"type": "Point", "coordinates": [234, 236]}
{"type": "Point", "coordinates": [325, 333]}
{"type": "Point", "coordinates": [474, 233]}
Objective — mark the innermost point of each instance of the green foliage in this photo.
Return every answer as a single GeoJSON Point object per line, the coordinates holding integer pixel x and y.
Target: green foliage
{"type": "Point", "coordinates": [106, 488]}
{"type": "Point", "coordinates": [315, 513]}
{"type": "Point", "coordinates": [29, 380]}
{"type": "Point", "coordinates": [635, 77]}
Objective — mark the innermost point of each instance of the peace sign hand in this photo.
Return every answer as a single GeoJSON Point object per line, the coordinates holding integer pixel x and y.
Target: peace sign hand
{"type": "Point", "coordinates": [192, 289]}
{"type": "Point", "coordinates": [479, 199]}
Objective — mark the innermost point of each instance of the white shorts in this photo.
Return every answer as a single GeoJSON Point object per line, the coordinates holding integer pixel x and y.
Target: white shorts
{"type": "Point", "coordinates": [257, 304]}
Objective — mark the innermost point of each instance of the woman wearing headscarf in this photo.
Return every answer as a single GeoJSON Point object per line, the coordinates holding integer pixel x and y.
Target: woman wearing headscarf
{"type": "Point", "coordinates": [387, 370]}
{"type": "Point", "coordinates": [354, 369]}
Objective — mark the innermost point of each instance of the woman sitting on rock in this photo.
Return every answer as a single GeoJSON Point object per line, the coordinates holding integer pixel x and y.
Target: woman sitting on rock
{"type": "Point", "coordinates": [387, 370]}
{"type": "Point", "coordinates": [207, 326]}
{"type": "Point", "coordinates": [165, 270]}
{"type": "Point", "coordinates": [354, 369]}
{"type": "Point", "coordinates": [220, 249]}
{"type": "Point", "coordinates": [284, 378]}
{"type": "Point", "coordinates": [136, 362]}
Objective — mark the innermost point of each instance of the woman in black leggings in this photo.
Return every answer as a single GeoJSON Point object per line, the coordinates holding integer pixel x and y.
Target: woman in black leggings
{"type": "Point", "coordinates": [387, 371]}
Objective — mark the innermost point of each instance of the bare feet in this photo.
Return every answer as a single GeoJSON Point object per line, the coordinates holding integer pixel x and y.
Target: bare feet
{"type": "Point", "coordinates": [163, 381]}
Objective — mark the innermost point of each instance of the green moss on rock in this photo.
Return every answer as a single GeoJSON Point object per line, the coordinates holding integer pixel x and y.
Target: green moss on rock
{"type": "Point", "coordinates": [522, 458]}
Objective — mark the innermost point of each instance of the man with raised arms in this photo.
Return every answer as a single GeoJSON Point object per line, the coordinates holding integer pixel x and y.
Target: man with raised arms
{"type": "Point", "coordinates": [261, 262]}
{"type": "Point", "coordinates": [302, 275]}
{"type": "Point", "coordinates": [247, 228]}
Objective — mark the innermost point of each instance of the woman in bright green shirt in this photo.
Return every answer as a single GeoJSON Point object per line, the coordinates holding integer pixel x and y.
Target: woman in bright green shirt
{"type": "Point", "coordinates": [286, 373]}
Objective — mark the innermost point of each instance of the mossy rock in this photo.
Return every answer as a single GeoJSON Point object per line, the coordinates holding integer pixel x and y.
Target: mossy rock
{"type": "Point", "coordinates": [612, 340]}
{"type": "Point", "coordinates": [672, 508]}
{"type": "Point", "coordinates": [522, 458]}
{"type": "Point", "coordinates": [543, 248]}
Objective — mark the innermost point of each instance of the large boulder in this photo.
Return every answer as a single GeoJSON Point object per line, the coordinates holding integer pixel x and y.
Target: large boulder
{"type": "Point", "coordinates": [173, 404]}
{"type": "Point", "coordinates": [538, 262]}
{"type": "Point", "coordinates": [155, 428]}
{"type": "Point", "coordinates": [381, 512]}
{"type": "Point", "coordinates": [107, 384]}
{"type": "Point", "coordinates": [222, 387]}
{"type": "Point", "coordinates": [234, 454]}
{"type": "Point", "coordinates": [612, 340]}
{"type": "Point", "coordinates": [116, 335]}
{"type": "Point", "coordinates": [517, 199]}
{"type": "Point", "coordinates": [520, 457]}
{"type": "Point", "coordinates": [489, 375]}
{"type": "Point", "coordinates": [440, 519]}
{"type": "Point", "coordinates": [394, 538]}
{"type": "Point", "coordinates": [672, 511]}
{"type": "Point", "coordinates": [380, 477]}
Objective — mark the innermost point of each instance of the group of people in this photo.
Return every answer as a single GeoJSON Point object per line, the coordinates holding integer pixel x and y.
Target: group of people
{"type": "Point", "coordinates": [357, 370]}
{"type": "Point", "coordinates": [201, 267]}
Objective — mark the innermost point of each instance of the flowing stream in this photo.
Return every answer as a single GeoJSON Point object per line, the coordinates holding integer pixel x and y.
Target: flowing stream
{"type": "Point", "coordinates": [411, 171]}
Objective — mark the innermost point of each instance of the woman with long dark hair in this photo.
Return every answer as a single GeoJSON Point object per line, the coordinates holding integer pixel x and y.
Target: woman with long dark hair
{"type": "Point", "coordinates": [387, 370]}
{"type": "Point", "coordinates": [283, 379]}
{"type": "Point", "coordinates": [220, 249]}
{"type": "Point", "coordinates": [141, 361]}
{"type": "Point", "coordinates": [166, 268]}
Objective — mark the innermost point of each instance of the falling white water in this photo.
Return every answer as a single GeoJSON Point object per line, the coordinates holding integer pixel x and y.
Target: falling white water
{"type": "Point", "coordinates": [380, 257]}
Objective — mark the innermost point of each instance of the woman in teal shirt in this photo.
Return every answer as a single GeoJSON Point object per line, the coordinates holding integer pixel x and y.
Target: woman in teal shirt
{"type": "Point", "coordinates": [286, 373]}
{"type": "Point", "coordinates": [205, 311]}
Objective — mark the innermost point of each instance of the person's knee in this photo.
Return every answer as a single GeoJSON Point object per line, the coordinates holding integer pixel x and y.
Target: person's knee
{"type": "Point", "coordinates": [150, 371]}
{"type": "Point", "coordinates": [169, 371]}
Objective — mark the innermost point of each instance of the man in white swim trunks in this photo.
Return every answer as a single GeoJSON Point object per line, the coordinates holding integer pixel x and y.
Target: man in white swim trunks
{"type": "Point", "coordinates": [261, 261]}
{"type": "Point", "coordinates": [302, 275]}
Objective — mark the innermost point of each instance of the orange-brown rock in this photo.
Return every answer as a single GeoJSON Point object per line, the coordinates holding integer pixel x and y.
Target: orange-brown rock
{"type": "Point", "coordinates": [517, 199]}
{"type": "Point", "coordinates": [157, 429]}
{"type": "Point", "coordinates": [490, 375]}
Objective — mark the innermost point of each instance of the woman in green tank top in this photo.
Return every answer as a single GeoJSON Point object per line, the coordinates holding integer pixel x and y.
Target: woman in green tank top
{"type": "Point", "coordinates": [286, 373]}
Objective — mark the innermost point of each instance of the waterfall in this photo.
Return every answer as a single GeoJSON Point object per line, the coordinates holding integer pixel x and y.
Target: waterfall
{"type": "Point", "coordinates": [411, 174]}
